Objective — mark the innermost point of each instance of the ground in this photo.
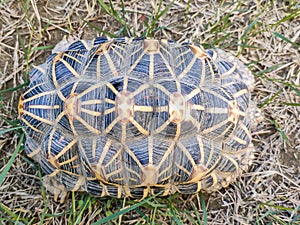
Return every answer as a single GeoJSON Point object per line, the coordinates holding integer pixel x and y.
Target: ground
{"type": "Point", "coordinates": [265, 35]}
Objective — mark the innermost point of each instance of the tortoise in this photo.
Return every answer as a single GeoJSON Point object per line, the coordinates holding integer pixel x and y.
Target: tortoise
{"type": "Point", "coordinates": [132, 117]}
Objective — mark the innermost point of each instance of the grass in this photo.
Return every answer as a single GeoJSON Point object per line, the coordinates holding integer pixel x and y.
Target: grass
{"type": "Point", "coordinates": [263, 35]}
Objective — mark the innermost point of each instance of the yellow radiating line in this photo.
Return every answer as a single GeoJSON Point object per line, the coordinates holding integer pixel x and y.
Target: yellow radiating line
{"type": "Point", "coordinates": [178, 130]}
{"type": "Point", "coordinates": [195, 122]}
{"type": "Point", "coordinates": [110, 101]}
{"type": "Point", "coordinates": [139, 127]}
{"type": "Point", "coordinates": [98, 67]}
{"type": "Point", "coordinates": [137, 60]}
{"type": "Point", "coordinates": [114, 172]}
{"type": "Point", "coordinates": [203, 72]}
{"type": "Point", "coordinates": [218, 125]}
{"type": "Point", "coordinates": [54, 173]}
{"type": "Point", "coordinates": [94, 146]}
{"type": "Point", "coordinates": [150, 149]}
{"type": "Point", "coordinates": [182, 54]}
{"type": "Point", "coordinates": [239, 140]}
{"type": "Point", "coordinates": [34, 152]}
{"type": "Point", "coordinates": [183, 169]}
{"type": "Point", "coordinates": [69, 172]}
{"type": "Point", "coordinates": [163, 126]}
{"type": "Point", "coordinates": [162, 108]}
{"type": "Point", "coordinates": [168, 66]}
{"type": "Point", "coordinates": [50, 141]}
{"type": "Point", "coordinates": [91, 102]}
{"type": "Point", "coordinates": [167, 153]}
{"type": "Point", "coordinates": [226, 130]}
{"type": "Point", "coordinates": [41, 69]}
{"type": "Point", "coordinates": [58, 118]}
{"type": "Point", "coordinates": [116, 155]}
{"type": "Point", "coordinates": [135, 172]}
{"type": "Point", "coordinates": [38, 96]}
{"type": "Point", "coordinates": [164, 171]}
{"type": "Point", "coordinates": [198, 107]}
{"type": "Point", "coordinates": [111, 64]}
{"type": "Point", "coordinates": [54, 75]}
{"type": "Point", "coordinates": [87, 65]}
{"type": "Point", "coordinates": [89, 89]}
{"type": "Point", "coordinates": [123, 133]}
{"type": "Point", "coordinates": [245, 129]}
{"type": "Point", "coordinates": [88, 126]}
{"type": "Point", "coordinates": [69, 160]}
{"type": "Point", "coordinates": [186, 152]}
{"type": "Point", "coordinates": [143, 108]}
{"type": "Point", "coordinates": [151, 66]}
{"type": "Point", "coordinates": [162, 88]}
{"type": "Point", "coordinates": [66, 148]}
{"type": "Point", "coordinates": [90, 112]}
{"type": "Point", "coordinates": [133, 156]}
{"type": "Point", "coordinates": [104, 152]}
{"type": "Point", "coordinates": [192, 94]}
{"type": "Point", "coordinates": [234, 162]}
{"type": "Point", "coordinates": [211, 153]}
{"type": "Point", "coordinates": [140, 89]}
{"type": "Point", "coordinates": [178, 86]}
{"type": "Point", "coordinates": [239, 93]}
{"type": "Point", "coordinates": [125, 83]}
{"type": "Point", "coordinates": [73, 58]}
{"type": "Point", "coordinates": [69, 67]}
{"type": "Point", "coordinates": [29, 125]}
{"type": "Point", "coordinates": [216, 110]}
{"type": "Point", "coordinates": [60, 95]}
{"type": "Point", "coordinates": [114, 47]}
{"type": "Point", "coordinates": [216, 94]}
{"type": "Point", "coordinates": [72, 127]}
{"type": "Point", "coordinates": [74, 87]}
{"type": "Point", "coordinates": [215, 178]}
{"type": "Point", "coordinates": [241, 113]}
{"type": "Point", "coordinates": [201, 147]}
{"type": "Point", "coordinates": [38, 118]}
{"type": "Point", "coordinates": [43, 106]}
{"type": "Point", "coordinates": [86, 44]}
{"type": "Point", "coordinates": [188, 68]}
{"type": "Point", "coordinates": [80, 182]}
{"type": "Point", "coordinates": [230, 71]}
{"type": "Point", "coordinates": [111, 125]}
{"type": "Point", "coordinates": [211, 70]}
{"type": "Point", "coordinates": [112, 88]}
{"type": "Point", "coordinates": [30, 89]}
{"type": "Point", "coordinates": [110, 110]}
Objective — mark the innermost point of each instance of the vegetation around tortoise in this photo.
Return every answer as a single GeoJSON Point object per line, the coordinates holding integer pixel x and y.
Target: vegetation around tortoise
{"type": "Point", "coordinates": [262, 34]}
{"type": "Point", "coordinates": [132, 117]}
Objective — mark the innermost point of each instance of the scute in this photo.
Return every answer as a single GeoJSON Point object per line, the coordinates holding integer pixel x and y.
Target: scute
{"type": "Point", "coordinates": [135, 117]}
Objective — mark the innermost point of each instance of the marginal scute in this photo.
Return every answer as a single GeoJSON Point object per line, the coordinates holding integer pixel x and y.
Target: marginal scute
{"type": "Point", "coordinates": [151, 45]}
{"type": "Point", "coordinates": [136, 117]}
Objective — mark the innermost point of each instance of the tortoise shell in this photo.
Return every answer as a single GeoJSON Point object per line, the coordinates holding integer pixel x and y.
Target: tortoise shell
{"type": "Point", "coordinates": [133, 117]}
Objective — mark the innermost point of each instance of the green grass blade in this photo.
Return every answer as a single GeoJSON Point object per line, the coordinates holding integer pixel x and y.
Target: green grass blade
{"type": "Point", "coordinates": [165, 10]}
{"type": "Point", "coordinates": [15, 88]}
{"type": "Point", "coordinates": [286, 39]}
{"type": "Point", "coordinates": [281, 132]}
{"type": "Point", "coordinates": [295, 90]}
{"type": "Point", "coordinates": [11, 160]}
{"type": "Point", "coordinates": [9, 129]}
{"type": "Point", "coordinates": [203, 206]}
{"type": "Point", "coordinates": [123, 211]}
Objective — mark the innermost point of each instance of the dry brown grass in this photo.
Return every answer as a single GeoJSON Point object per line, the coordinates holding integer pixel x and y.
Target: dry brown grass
{"type": "Point", "coordinates": [264, 34]}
